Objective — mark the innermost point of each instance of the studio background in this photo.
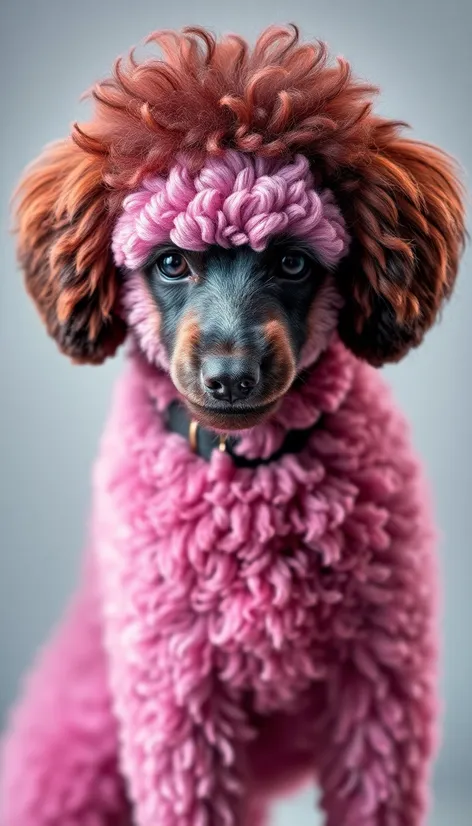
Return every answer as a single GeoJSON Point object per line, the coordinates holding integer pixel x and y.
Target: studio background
{"type": "Point", "coordinates": [52, 413]}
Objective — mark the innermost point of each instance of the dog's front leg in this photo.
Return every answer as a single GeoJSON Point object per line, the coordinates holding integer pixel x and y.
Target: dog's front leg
{"type": "Point", "coordinates": [182, 730]}
{"type": "Point", "coordinates": [377, 736]}
{"type": "Point", "coordinates": [374, 755]}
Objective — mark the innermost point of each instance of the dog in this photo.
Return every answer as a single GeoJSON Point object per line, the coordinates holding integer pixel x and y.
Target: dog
{"type": "Point", "coordinates": [258, 603]}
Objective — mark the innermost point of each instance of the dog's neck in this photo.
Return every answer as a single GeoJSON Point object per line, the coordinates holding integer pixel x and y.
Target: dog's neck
{"type": "Point", "coordinates": [204, 441]}
{"type": "Point", "coordinates": [316, 393]}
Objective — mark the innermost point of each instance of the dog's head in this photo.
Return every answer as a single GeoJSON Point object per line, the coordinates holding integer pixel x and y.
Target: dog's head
{"type": "Point", "coordinates": [234, 209]}
{"type": "Point", "coordinates": [230, 279]}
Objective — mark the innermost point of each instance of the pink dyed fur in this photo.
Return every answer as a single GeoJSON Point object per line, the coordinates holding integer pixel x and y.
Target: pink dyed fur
{"type": "Point", "coordinates": [141, 314]}
{"type": "Point", "coordinates": [259, 626]}
{"type": "Point", "coordinates": [234, 200]}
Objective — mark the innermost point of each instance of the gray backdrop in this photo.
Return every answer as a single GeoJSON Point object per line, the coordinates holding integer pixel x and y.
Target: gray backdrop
{"type": "Point", "coordinates": [52, 412]}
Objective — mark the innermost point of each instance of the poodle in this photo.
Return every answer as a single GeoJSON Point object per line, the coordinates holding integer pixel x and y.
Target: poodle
{"type": "Point", "coordinates": [258, 603]}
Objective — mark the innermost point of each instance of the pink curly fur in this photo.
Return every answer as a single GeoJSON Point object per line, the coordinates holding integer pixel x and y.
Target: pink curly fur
{"type": "Point", "coordinates": [238, 630]}
{"type": "Point", "coordinates": [234, 200]}
{"type": "Point", "coordinates": [139, 309]}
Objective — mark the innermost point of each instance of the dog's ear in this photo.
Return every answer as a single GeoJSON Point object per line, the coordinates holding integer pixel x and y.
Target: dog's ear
{"type": "Point", "coordinates": [406, 215]}
{"type": "Point", "coordinates": [63, 226]}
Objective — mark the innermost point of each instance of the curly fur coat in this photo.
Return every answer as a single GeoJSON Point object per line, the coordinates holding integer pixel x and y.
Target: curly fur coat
{"type": "Point", "coordinates": [239, 629]}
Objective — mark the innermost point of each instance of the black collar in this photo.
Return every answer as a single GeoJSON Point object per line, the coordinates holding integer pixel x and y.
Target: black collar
{"type": "Point", "coordinates": [203, 442]}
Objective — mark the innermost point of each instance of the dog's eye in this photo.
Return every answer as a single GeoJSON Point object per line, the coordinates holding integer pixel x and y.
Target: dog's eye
{"type": "Point", "coordinates": [173, 265]}
{"type": "Point", "coordinates": [294, 265]}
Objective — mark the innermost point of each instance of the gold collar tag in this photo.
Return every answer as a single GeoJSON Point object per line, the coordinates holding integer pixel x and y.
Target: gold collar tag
{"type": "Point", "coordinates": [193, 434]}
{"type": "Point", "coordinates": [193, 438]}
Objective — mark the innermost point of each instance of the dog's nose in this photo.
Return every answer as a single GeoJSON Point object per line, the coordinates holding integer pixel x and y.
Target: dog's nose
{"type": "Point", "coordinates": [228, 378]}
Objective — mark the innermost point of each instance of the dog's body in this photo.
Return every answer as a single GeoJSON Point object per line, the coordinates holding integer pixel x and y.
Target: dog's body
{"type": "Point", "coordinates": [264, 613]}
{"type": "Point", "coordinates": [272, 623]}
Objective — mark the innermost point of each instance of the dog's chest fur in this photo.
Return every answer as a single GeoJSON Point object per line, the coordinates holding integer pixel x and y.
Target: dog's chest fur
{"type": "Point", "coordinates": [260, 573]}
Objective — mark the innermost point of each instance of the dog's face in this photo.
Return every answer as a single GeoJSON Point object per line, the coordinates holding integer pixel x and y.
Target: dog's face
{"type": "Point", "coordinates": [238, 325]}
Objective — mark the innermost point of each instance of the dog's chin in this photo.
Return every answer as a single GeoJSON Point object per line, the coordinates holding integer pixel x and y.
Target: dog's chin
{"type": "Point", "coordinates": [224, 420]}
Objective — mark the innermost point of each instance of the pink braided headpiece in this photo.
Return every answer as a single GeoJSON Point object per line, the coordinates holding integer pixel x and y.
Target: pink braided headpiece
{"type": "Point", "coordinates": [233, 200]}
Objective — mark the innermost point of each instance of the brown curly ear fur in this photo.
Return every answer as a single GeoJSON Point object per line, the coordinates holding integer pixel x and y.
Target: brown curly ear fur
{"type": "Point", "coordinates": [64, 229]}
{"type": "Point", "coordinates": [407, 220]}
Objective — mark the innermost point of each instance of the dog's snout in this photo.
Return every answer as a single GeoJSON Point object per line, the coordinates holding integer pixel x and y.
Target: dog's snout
{"type": "Point", "coordinates": [229, 378]}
